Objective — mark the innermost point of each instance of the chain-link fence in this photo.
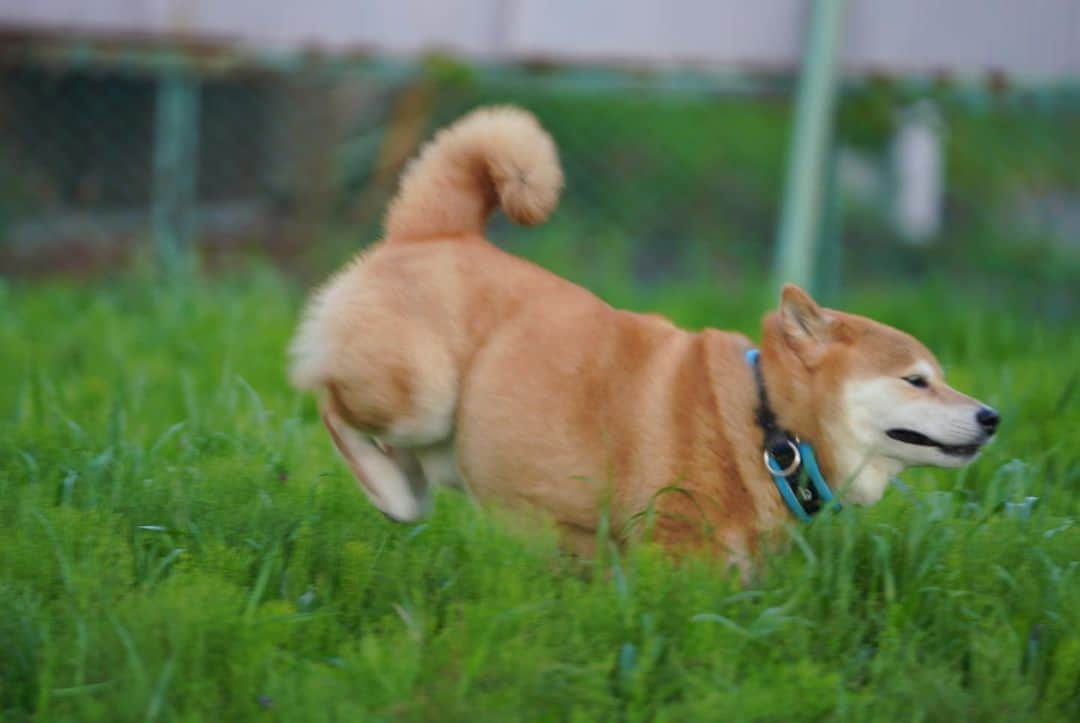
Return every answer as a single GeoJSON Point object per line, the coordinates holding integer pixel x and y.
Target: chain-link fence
{"type": "Point", "coordinates": [297, 157]}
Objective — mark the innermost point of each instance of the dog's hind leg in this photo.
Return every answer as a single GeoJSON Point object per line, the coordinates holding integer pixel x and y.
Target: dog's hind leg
{"type": "Point", "coordinates": [392, 477]}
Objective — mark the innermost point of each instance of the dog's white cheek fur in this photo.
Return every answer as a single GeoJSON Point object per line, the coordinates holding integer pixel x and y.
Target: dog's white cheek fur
{"type": "Point", "coordinates": [869, 458]}
{"type": "Point", "coordinates": [856, 438]}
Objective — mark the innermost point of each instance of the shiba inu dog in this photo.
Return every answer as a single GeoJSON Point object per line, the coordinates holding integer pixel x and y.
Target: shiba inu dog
{"type": "Point", "coordinates": [439, 359]}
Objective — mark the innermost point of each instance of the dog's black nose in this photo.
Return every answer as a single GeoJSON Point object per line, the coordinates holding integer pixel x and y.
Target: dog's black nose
{"type": "Point", "coordinates": [988, 419]}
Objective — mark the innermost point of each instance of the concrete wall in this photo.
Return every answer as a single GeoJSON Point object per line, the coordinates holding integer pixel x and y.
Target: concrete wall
{"type": "Point", "coordinates": [1038, 39]}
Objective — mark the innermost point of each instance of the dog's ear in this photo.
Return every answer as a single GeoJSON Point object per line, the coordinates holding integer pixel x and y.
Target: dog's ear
{"type": "Point", "coordinates": [806, 326]}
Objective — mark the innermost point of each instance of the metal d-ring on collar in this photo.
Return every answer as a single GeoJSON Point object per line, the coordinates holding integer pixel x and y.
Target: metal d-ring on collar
{"type": "Point", "coordinates": [796, 459]}
{"type": "Point", "coordinates": [803, 498]}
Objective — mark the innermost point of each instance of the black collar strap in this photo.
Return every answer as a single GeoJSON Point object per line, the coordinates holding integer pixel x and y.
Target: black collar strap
{"type": "Point", "coordinates": [790, 461]}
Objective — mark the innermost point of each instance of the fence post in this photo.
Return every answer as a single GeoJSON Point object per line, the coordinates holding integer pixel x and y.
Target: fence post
{"type": "Point", "coordinates": [807, 157]}
{"type": "Point", "coordinates": [176, 146]}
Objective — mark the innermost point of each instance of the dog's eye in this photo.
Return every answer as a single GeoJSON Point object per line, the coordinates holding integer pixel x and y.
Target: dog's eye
{"type": "Point", "coordinates": [916, 380]}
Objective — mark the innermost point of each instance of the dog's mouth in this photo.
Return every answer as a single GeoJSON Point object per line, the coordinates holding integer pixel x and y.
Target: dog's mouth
{"type": "Point", "coordinates": [909, 436]}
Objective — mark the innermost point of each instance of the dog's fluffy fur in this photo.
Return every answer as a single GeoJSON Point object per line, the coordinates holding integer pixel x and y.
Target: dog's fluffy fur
{"type": "Point", "coordinates": [439, 359]}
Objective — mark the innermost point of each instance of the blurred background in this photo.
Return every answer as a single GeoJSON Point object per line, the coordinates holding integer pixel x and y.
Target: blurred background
{"type": "Point", "coordinates": [835, 142]}
{"type": "Point", "coordinates": [178, 540]}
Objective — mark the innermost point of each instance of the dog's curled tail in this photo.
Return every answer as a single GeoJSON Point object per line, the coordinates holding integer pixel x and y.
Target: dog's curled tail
{"type": "Point", "coordinates": [492, 156]}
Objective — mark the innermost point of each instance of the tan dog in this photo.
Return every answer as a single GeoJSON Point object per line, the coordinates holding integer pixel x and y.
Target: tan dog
{"type": "Point", "coordinates": [440, 359]}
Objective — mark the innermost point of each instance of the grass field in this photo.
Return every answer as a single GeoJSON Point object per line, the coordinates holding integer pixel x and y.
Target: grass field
{"type": "Point", "coordinates": [178, 541]}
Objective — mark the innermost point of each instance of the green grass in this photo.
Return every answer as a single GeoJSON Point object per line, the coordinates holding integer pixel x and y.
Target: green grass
{"type": "Point", "coordinates": [178, 541]}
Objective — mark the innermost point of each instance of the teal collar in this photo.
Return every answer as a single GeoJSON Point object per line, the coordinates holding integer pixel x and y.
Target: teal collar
{"type": "Point", "coordinates": [790, 461]}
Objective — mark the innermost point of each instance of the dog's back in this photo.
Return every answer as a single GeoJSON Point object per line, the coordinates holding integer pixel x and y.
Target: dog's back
{"type": "Point", "coordinates": [435, 352]}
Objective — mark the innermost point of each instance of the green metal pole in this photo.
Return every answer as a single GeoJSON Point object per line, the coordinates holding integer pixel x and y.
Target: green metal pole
{"type": "Point", "coordinates": [808, 155]}
{"type": "Point", "coordinates": [830, 252]}
{"type": "Point", "coordinates": [176, 138]}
